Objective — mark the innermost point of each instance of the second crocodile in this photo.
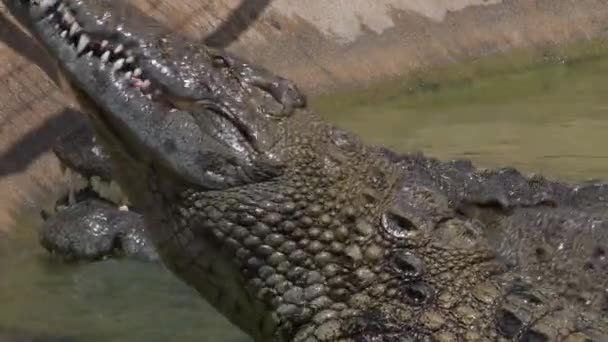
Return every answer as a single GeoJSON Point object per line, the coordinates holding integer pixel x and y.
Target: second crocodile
{"type": "Point", "coordinates": [92, 220]}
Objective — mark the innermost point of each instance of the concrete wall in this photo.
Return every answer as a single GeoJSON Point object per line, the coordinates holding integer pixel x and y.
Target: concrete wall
{"type": "Point", "coordinates": [321, 44]}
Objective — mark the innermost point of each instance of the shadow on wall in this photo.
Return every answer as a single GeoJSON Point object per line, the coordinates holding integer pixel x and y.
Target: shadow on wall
{"type": "Point", "coordinates": [22, 153]}
{"type": "Point", "coordinates": [36, 142]}
{"type": "Point", "coordinates": [237, 23]}
{"type": "Point", "coordinates": [16, 39]}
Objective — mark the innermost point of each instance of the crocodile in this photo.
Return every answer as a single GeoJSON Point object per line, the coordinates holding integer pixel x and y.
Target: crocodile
{"type": "Point", "coordinates": [92, 221]}
{"type": "Point", "coordinates": [295, 229]}
{"type": "Point", "coordinates": [93, 229]}
{"type": "Point", "coordinates": [83, 157]}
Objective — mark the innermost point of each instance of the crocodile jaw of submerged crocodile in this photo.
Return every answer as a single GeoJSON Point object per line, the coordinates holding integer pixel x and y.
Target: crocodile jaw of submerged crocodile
{"type": "Point", "coordinates": [291, 228]}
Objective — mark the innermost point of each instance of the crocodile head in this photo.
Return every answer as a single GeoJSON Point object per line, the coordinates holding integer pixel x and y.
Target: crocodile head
{"type": "Point", "coordinates": [180, 110]}
{"type": "Point", "coordinates": [292, 228]}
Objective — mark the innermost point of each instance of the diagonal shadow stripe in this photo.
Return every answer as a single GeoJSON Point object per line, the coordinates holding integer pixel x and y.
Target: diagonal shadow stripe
{"type": "Point", "coordinates": [237, 23]}
{"type": "Point", "coordinates": [26, 46]}
{"type": "Point", "coordinates": [38, 141]}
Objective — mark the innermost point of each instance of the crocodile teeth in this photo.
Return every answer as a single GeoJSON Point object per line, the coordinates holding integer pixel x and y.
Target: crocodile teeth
{"type": "Point", "coordinates": [104, 44]}
{"type": "Point", "coordinates": [68, 18]}
{"type": "Point", "coordinates": [118, 64]}
{"type": "Point", "coordinates": [47, 3]}
{"type": "Point", "coordinates": [106, 56]}
{"type": "Point", "coordinates": [123, 208]}
{"type": "Point", "coordinates": [128, 75]}
{"type": "Point", "coordinates": [64, 34]}
{"type": "Point", "coordinates": [130, 59]}
{"type": "Point", "coordinates": [118, 49]}
{"type": "Point", "coordinates": [90, 54]}
{"type": "Point", "coordinates": [137, 72]}
{"type": "Point", "coordinates": [82, 43]}
{"type": "Point", "coordinates": [74, 28]}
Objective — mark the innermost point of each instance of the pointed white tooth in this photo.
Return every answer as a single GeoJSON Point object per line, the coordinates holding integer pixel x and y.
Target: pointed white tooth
{"type": "Point", "coordinates": [118, 48]}
{"type": "Point", "coordinates": [137, 72]}
{"type": "Point", "coordinates": [82, 43]}
{"type": "Point", "coordinates": [118, 64]}
{"type": "Point", "coordinates": [104, 44]}
{"type": "Point", "coordinates": [123, 208]}
{"type": "Point", "coordinates": [95, 182]}
{"type": "Point", "coordinates": [128, 75]}
{"type": "Point", "coordinates": [61, 7]}
{"type": "Point", "coordinates": [74, 28]}
{"type": "Point", "coordinates": [106, 56]}
{"type": "Point", "coordinates": [130, 59]}
{"type": "Point", "coordinates": [71, 195]}
{"type": "Point", "coordinates": [47, 3]}
{"type": "Point", "coordinates": [64, 34]}
{"type": "Point", "coordinates": [68, 17]}
{"type": "Point", "coordinates": [149, 96]}
{"type": "Point", "coordinates": [90, 54]}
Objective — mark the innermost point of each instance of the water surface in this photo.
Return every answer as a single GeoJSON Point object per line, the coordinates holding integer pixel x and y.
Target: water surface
{"type": "Point", "coordinates": [551, 118]}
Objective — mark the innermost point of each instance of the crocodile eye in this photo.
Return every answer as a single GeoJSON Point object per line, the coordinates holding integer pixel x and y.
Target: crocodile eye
{"type": "Point", "coordinates": [407, 264]}
{"type": "Point", "coordinates": [398, 225]}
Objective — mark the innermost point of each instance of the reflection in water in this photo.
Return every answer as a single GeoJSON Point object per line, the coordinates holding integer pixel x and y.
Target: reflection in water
{"type": "Point", "coordinates": [551, 119]}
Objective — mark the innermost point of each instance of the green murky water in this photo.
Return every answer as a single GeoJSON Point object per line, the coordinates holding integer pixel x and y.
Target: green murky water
{"type": "Point", "coordinates": [549, 116]}
{"type": "Point", "coordinates": [535, 110]}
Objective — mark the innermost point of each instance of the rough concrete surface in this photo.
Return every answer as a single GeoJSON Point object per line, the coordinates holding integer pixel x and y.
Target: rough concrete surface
{"type": "Point", "coordinates": [321, 44]}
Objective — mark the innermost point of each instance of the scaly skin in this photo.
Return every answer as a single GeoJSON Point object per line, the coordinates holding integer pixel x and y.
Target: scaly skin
{"type": "Point", "coordinates": [93, 229]}
{"type": "Point", "coordinates": [294, 229]}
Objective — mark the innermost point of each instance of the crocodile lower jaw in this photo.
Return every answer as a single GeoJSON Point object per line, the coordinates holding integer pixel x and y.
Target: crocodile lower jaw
{"type": "Point", "coordinates": [104, 189]}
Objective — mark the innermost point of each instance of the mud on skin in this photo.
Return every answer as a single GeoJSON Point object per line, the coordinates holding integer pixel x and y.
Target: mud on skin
{"type": "Point", "coordinates": [297, 231]}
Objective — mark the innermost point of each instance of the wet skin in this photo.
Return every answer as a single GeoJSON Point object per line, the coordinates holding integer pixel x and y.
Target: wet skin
{"type": "Point", "coordinates": [91, 221]}
{"type": "Point", "coordinates": [93, 229]}
{"type": "Point", "coordinates": [297, 231]}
